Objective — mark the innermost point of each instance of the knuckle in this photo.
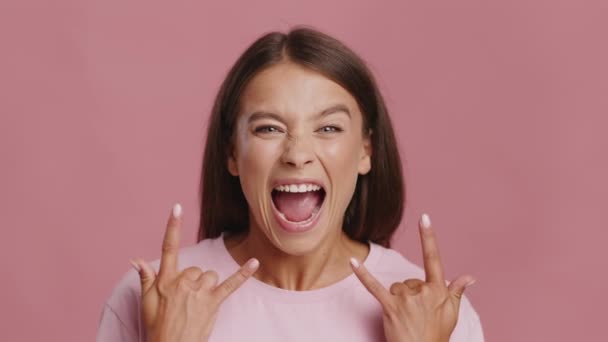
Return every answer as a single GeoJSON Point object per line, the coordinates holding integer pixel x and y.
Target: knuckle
{"type": "Point", "coordinates": [409, 299]}
{"type": "Point", "coordinates": [146, 276]}
{"type": "Point", "coordinates": [230, 285]}
{"type": "Point", "coordinates": [396, 288]}
{"type": "Point", "coordinates": [432, 254]}
{"type": "Point", "coordinates": [207, 280]}
{"type": "Point", "coordinates": [369, 280]}
{"type": "Point", "coordinates": [233, 283]}
{"type": "Point", "coordinates": [226, 289]}
{"type": "Point", "coordinates": [212, 276]}
{"type": "Point", "coordinates": [374, 287]}
{"type": "Point", "coordinates": [424, 289]}
{"type": "Point", "coordinates": [183, 288]}
{"type": "Point", "coordinates": [202, 296]}
{"type": "Point", "coordinates": [192, 269]}
{"type": "Point", "coordinates": [184, 285]}
{"type": "Point", "coordinates": [413, 282]}
{"type": "Point", "coordinates": [169, 247]}
{"type": "Point", "coordinates": [429, 234]}
{"type": "Point", "coordinates": [162, 288]}
{"type": "Point", "coordinates": [191, 272]}
{"type": "Point", "coordinates": [181, 283]}
{"type": "Point", "coordinates": [240, 276]}
{"type": "Point", "coordinates": [391, 310]}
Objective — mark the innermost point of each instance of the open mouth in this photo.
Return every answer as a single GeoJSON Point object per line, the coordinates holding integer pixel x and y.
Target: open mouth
{"type": "Point", "coordinates": [297, 206]}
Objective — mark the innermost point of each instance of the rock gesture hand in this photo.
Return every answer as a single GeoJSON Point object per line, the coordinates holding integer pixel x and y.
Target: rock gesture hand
{"type": "Point", "coordinates": [182, 306]}
{"type": "Point", "coordinates": [417, 310]}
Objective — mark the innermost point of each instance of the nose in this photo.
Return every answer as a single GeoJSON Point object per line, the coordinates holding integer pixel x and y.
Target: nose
{"type": "Point", "coordinates": [298, 152]}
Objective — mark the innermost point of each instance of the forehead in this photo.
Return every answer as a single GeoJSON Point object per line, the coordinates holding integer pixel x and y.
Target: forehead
{"type": "Point", "coordinates": [288, 87]}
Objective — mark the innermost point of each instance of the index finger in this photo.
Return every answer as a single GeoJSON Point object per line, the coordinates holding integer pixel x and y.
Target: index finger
{"type": "Point", "coordinates": [430, 252]}
{"type": "Point", "coordinates": [168, 259]}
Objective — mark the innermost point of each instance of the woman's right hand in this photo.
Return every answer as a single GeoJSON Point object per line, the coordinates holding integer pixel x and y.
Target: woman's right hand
{"type": "Point", "coordinates": [182, 306]}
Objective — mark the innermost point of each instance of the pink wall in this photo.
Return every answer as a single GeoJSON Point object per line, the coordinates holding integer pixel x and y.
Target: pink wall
{"type": "Point", "coordinates": [500, 109]}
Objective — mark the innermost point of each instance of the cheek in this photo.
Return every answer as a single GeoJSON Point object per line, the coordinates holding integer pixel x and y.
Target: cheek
{"type": "Point", "coordinates": [255, 154]}
{"type": "Point", "coordinates": [341, 154]}
{"type": "Point", "coordinates": [255, 161]}
{"type": "Point", "coordinates": [340, 158]}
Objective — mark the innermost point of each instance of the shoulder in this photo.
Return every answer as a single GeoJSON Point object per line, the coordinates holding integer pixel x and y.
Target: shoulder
{"type": "Point", "coordinates": [391, 266]}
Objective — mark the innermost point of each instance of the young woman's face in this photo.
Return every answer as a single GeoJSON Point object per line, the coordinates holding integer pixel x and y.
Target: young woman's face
{"type": "Point", "coordinates": [298, 148]}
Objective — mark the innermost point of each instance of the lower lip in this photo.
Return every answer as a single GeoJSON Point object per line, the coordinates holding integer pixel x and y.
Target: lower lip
{"type": "Point", "coordinates": [294, 227]}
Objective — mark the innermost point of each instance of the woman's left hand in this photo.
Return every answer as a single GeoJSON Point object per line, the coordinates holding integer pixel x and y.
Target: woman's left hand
{"type": "Point", "coordinates": [416, 310]}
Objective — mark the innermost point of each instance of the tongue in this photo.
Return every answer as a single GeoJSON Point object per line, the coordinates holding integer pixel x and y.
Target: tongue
{"type": "Point", "coordinates": [297, 206]}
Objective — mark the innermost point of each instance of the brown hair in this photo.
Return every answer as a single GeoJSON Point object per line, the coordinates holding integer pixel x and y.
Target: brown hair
{"type": "Point", "coordinates": [376, 207]}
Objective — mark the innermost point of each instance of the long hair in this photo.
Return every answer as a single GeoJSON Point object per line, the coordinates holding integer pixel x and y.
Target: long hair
{"type": "Point", "coordinates": [377, 205]}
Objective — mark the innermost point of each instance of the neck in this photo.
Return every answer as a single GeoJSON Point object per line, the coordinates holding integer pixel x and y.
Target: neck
{"type": "Point", "coordinates": [321, 267]}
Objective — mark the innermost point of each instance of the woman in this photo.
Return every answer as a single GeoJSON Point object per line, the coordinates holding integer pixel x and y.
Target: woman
{"type": "Point", "coordinates": [301, 192]}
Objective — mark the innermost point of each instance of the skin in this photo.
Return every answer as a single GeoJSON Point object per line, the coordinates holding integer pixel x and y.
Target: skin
{"type": "Point", "coordinates": [181, 306]}
{"type": "Point", "coordinates": [296, 141]}
{"type": "Point", "coordinates": [417, 310]}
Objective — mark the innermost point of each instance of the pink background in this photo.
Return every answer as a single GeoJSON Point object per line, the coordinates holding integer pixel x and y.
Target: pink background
{"type": "Point", "coordinates": [500, 110]}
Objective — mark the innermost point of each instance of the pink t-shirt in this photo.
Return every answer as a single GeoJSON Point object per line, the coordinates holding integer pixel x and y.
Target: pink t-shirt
{"type": "Point", "coordinates": [344, 311]}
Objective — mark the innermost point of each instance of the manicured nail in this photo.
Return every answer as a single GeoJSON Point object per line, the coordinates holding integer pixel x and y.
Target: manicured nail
{"type": "Point", "coordinates": [135, 266]}
{"type": "Point", "coordinates": [177, 210]}
{"type": "Point", "coordinates": [354, 262]}
{"type": "Point", "coordinates": [253, 264]}
{"type": "Point", "coordinates": [471, 283]}
{"type": "Point", "coordinates": [426, 221]}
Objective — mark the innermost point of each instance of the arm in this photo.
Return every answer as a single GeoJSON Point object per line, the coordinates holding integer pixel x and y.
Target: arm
{"type": "Point", "coordinates": [112, 329]}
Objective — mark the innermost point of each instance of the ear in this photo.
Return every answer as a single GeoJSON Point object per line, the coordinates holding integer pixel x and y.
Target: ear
{"type": "Point", "coordinates": [232, 167]}
{"type": "Point", "coordinates": [365, 163]}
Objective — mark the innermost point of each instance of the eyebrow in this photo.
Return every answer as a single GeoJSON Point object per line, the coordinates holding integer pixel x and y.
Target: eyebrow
{"type": "Point", "coordinates": [258, 115]}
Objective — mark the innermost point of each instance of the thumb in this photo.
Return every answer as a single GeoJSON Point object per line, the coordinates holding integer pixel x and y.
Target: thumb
{"type": "Point", "coordinates": [371, 283]}
{"type": "Point", "coordinates": [146, 274]}
{"type": "Point", "coordinates": [237, 279]}
{"type": "Point", "coordinates": [457, 287]}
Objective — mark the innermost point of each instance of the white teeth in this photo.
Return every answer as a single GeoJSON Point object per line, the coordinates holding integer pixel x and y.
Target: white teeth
{"type": "Point", "coordinates": [298, 187]}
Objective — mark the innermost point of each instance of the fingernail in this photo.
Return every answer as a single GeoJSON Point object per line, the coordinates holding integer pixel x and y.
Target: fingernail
{"type": "Point", "coordinates": [354, 262]}
{"type": "Point", "coordinates": [177, 210]}
{"type": "Point", "coordinates": [253, 264]}
{"type": "Point", "coordinates": [471, 282]}
{"type": "Point", "coordinates": [426, 221]}
{"type": "Point", "coordinates": [135, 265]}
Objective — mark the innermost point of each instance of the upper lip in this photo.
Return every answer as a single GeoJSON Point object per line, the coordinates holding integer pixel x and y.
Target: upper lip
{"type": "Point", "coordinates": [284, 181]}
